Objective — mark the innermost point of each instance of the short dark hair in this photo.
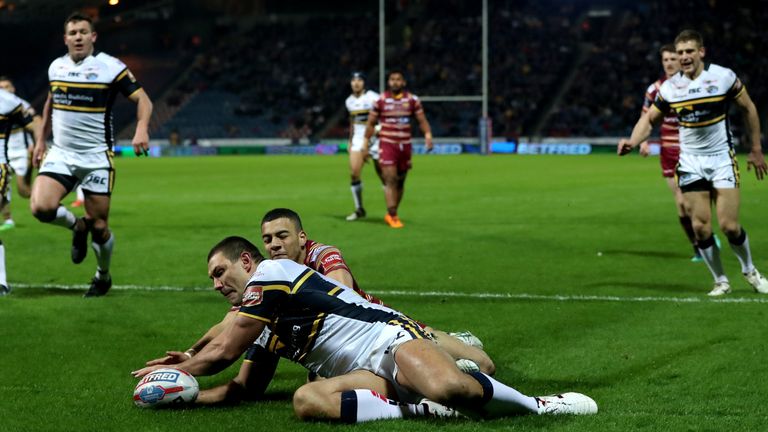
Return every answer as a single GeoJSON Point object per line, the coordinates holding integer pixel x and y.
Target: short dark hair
{"type": "Point", "coordinates": [77, 17]}
{"type": "Point", "coordinates": [282, 213]}
{"type": "Point", "coordinates": [396, 71]}
{"type": "Point", "coordinates": [233, 246]}
{"type": "Point", "coordinates": [690, 35]}
{"type": "Point", "coordinates": [667, 48]}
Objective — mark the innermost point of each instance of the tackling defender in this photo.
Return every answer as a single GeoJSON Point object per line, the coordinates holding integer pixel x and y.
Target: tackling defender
{"type": "Point", "coordinates": [700, 95]}
{"type": "Point", "coordinates": [12, 113]}
{"type": "Point", "coordinates": [359, 104]}
{"type": "Point", "coordinates": [19, 152]}
{"type": "Point", "coordinates": [308, 318]}
{"type": "Point", "coordinates": [394, 110]}
{"type": "Point", "coordinates": [83, 86]}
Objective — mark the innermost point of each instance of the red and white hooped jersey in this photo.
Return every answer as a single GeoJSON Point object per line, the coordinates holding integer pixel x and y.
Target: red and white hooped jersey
{"type": "Point", "coordinates": [395, 114]}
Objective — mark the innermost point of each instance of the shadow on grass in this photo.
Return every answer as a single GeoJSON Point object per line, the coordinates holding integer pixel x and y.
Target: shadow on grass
{"type": "Point", "coordinates": [48, 291]}
{"type": "Point", "coordinates": [661, 287]}
{"type": "Point", "coordinates": [647, 254]}
{"type": "Point", "coordinates": [613, 378]}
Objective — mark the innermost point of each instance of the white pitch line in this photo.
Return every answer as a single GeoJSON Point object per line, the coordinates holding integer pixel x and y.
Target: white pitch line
{"type": "Point", "coordinates": [508, 296]}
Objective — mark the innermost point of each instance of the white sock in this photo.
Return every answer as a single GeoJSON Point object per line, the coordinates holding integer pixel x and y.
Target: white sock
{"type": "Point", "coordinates": [357, 194]}
{"type": "Point", "coordinates": [711, 256]}
{"type": "Point", "coordinates": [359, 406]}
{"type": "Point", "coordinates": [103, 256]}
{"type": "Point", "coordinates": [743, 253]}
{"type": "Point", "coordinates": [64, 218]}
{"type": "Point", "coordinates": [502, 400]}
{"type": "Point", "coordinates": [3, 277]}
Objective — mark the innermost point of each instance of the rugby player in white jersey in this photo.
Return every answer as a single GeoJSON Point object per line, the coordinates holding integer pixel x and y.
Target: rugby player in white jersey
{"type": "Point", "coordinates": [12, 114]}
{"type": "Point", "coordinates": [378, 363]}
{"type": "Point", "coordinates": [359, 104]}
{"type": "Point", "coordinates": [700, 95]}
{"type": "Point", "coordinates": [83, 87]}
{"type": "Point", "coordinates": [19, 151]}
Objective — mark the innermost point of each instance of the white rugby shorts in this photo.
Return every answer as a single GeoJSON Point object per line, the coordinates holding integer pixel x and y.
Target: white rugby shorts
{"type": "Point", "coordinates": [704, 172]}
{"type": "Point", "coordinates": [94, 171]}
{"type": "Point", "coordinates": [18, 159]}
{"type": "Point", "coordinates": [373, 146]}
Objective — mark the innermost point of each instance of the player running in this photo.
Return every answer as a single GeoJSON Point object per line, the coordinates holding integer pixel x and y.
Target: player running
{"type": "Point", "coordinates": [12, 114]}
{"type": "Point", "coordinates": [700, 95]}
{"type": "Point", "coordinates": [19, 151]}
{"type": "Point", "coordinates": [83, 86]}
{"type": "Point", "coordinates": [359, 104]}
{"type": "Point", "coordinates": [394, 110]}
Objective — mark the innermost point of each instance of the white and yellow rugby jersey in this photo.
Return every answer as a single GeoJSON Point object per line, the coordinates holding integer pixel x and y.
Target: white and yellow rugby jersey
{"type": "Point", "coordinates": [20, 139]}
{"type": "Point", "coordinates": [82, 96]}
{"type": "Point", "coordinates": [358, 108]}
{"type": "Point", "coordinates": [12, 115]}
{"type": "Point", "coordinates": [702, 108]}
{"type": "Point", "coordinates": [315, 320]}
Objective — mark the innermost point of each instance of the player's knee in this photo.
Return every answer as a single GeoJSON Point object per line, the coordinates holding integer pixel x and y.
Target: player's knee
{"type": "Point", "coordinates": [730, 228]}
{"type": "Point", "coordinates": [486, 365]}
{"type": "Point", "coordinates": [43, 213]}
{"type": "Point", "coordinates": [450, 388]}
{"type": "Point", "coordinates": [308, 403]}
{"type": "Point", "coordinates": [99, 229]}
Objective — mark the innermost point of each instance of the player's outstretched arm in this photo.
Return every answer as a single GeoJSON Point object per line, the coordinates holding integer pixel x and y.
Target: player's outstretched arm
{"type": "Point", "coordinates": [175, 357]}
{"type": "Point", "coordinates": [752, 123]}
{"type": "Point", "coordinates": [220, 352]}
{"type": "Point", "coordinates": [44, 129]}
{"type": "Point", "coordinates": [140, 140]}
{"type": "Point", "coordinates": [641, 131]}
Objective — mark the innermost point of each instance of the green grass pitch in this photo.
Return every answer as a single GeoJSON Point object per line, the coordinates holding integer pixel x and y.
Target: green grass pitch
{"type": "Point", "coordinates": [573, 270]}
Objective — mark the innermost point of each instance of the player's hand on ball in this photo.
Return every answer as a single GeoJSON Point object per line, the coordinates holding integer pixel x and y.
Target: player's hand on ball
{"type": "Point", "coordinates": [146, 370]}
{"type": "Point", "coordinates": [624, 147]}
{"type": "Point", "coordinates": [171, 357]}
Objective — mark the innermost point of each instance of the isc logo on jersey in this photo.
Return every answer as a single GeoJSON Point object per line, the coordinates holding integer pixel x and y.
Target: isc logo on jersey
{"type": "Point", "coordinates": [252, 296]}
{"type": "Point", "coordinates": [165, 386]}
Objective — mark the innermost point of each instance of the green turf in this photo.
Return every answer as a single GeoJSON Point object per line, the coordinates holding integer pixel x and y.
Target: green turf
{"type": "Point", "coordinates": [538, 225]}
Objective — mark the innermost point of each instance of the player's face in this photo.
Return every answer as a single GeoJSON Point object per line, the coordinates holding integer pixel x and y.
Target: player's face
{"type": "Point", "coordinates": [396, 82]}
{"type": "Point", "coordinates": [283, 240]}
{"type": "Point", "coordinates": [229, 277]}
{"type": "Point", "coordinates": [79, 39]}
{"type": "Point", "coordinates": [357, 85]}
{"type": "Point", "coordinates": [670, 62]}
{"type": "Point", "coordinates": [690, 55]}
{"type": "Point", "coordinates": [7, 86]}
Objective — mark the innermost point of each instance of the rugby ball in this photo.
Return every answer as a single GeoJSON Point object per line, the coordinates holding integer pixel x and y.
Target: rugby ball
{"type": "Point", "coordinates": [164, 387]}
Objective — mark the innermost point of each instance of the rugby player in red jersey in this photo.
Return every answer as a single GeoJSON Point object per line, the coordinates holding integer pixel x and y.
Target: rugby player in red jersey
{"type": "Point", "coordinates": [393, 111]}
{"type": "Point", "coordinates": [670, 142]}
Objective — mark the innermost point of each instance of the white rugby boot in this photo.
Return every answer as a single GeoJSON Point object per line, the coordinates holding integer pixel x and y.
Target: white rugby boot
{"type": "Point", "coordinates": [720, 289]}
{"type": "Point", "coordinates": [467, 366]}
{"type": "Point", "coordinates": [566, 403]}
{"type": "Point", "coordinates": [758, 281]}
{"type": "Point", "coordinates": [434, 409]}
{"type": "Point", "coordinates": [468, 338]}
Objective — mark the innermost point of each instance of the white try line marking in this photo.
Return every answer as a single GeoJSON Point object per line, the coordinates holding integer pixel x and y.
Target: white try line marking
{"type": "Point", "coordinates": [437, 294]}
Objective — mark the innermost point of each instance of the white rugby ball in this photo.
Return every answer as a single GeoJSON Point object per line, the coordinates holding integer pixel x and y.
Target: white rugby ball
{"type": "Point", "coordinates": [167, 386]}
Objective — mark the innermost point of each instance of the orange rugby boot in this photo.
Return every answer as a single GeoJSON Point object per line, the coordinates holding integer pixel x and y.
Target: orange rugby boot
{"type": "Point", "coordinates": [393, 221]}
